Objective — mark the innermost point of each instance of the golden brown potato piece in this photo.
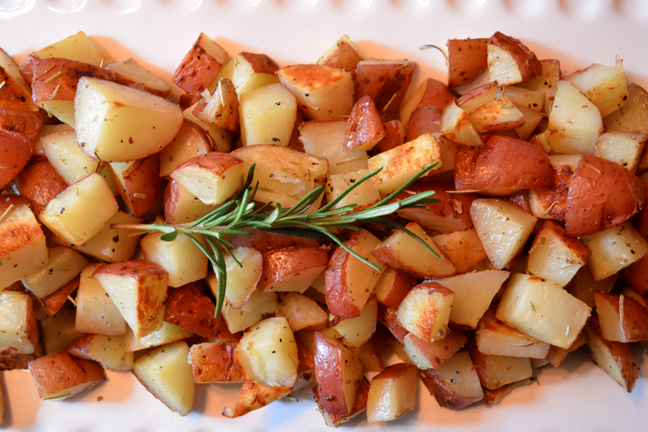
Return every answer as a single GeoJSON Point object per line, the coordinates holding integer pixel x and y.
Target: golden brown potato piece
{"type": "Point", "coordinates": [214, 362]}
{"type": "Point", "coordinates": [59, 375]}
{"type": "Point", "coordinates": [19, 334]}
{"type": "Point", "coordinates": [343, 55]}
{"type": "Point", "coordinates": [425, 311]}
{"type": "Point", "coordinates": [22, 122]}
{"type": "Point", "coordinates": [139, 183]}
{"type": "Point", "coordinates": [393, 286]}
{"type": "Point", "coordinates": [200, 66]}
{"type": "Point", "coordinates": [15, 91]}
{"type": "Point", "coordinates": [510, 61]}
{"type": "Point", "coordinates": [430, 93]}
{"type": "Point", "coordinates": [254, 396]}
{"type": "Point", "coordinates": [502, 167]}
{"type": "Point", "coordinates": [390, 393]}
{"type": "Point", "coordinates": [385, 81]}
{"type": "Point", "coordinates": [364, 128]}
{"type": "Point", "coordinates": [15, 151]}
{"type": "Point", "coordinates": [220, 108]}
{"type": "Point", "coordinates": [455, 384]}
{"type": "Point", "coordinates": [551, 203]}
{"type": "Point", "coordinates": [633, 116]}
{"type": "Point", "coordinates": [431, 355]}
{"type": "Point", "coordinates": [425, 119]}
{"type": "Point", "coordinates": [292, 269]}
{"type": "Point", "coordinates": [601, 194]}
{"type": "Point", "coordinates": [493, 397]}
{"type": "Point", "coordinates": [467, 60]}
{"type": "Point", "coordinates": [360, 405]}
{"type": "Point", "coordinates": [621, 318]}
{"type": "Point", "coordinates": [463, 248]}
{"type": "Point", "coordinates": [191, 310]}
{"type": "Point", "coordinates": [40, 183]}
{"type": "Point", "coordinates": [49, 305]}
{"type": "Point", "coordinates": [132, 74]}
{"type": "Point", "coordinates": [451, 213]}
{"type": "Point", "coordinates": [616, 358]}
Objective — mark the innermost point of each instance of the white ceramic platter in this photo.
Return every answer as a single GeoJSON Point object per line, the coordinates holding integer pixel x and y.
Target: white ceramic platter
{"type": "Point", "coordinates": [576, 397]}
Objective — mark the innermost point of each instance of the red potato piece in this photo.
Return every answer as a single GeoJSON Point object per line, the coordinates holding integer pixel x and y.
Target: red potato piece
{"type": "Point", "coordinates": [425, 311]}
{"type": "Point", "coordinates": [15, 151]}
{"type": "Point", "coordinates": [621, 318]}
{"type": "Point", "coordinates": [431, 355]}
{"type": "Point", "coordinates": [455, 384]}
{"type": "Point", "coordinates": [215, 363]}
{"type": "Point", "coordinates": [389, 317]}
{"type": "Point", "coordinates": [139, 183]}
{"type": "Point", "coordinates": [343, 55]}
{"type": "Point", "coordinates": [430, 93]}
{"type": "Point", "coordinates": [15, 91]}
{"type": "Point", "coordinates": [390, 393]}
{"type": "Point", "coordinates": [393, 286]}
{"type": "Point", "coordinates": [467, 60]}
{"type": "Point", "coordinates": [394, 136]}
{"type": "Point", "coordinates": [451, 213]}
{"type": "Point", "coordinates": [502, 167]}
{"type": "Point", "coordinates": [49, 305]}
{"type": "Point", "coordinates": [191, 310]}
{"type": "Point", "coordinates": [551, 203]}
{"type": "Point", "coordinates": [510, 61]}
{"type": "Point", "coordinates": [292, 269]}
{"type": "Point", "coordinates": [637, 275]}
{"type": "Point", "coordinates": [254, 396]}
{"type": "Point", "coordinates": [364, 128]}
{"type": "Point", "coordinates": [200, 66]}
{"type": "Point", "coordinates": [338, 372]}
{"type": "Point", "coordinates": [425, 119]}
{"type": "Point", "coordinates": [385, 81]}
{"type": "Point", "coordinates": [40, 183]}
{"type": "Point", "coordinates": [57, 78]}
{"type": "Point", "coordinates": [59, 375]}
{"type": "Point", "coordinates": [22, 122]}
{"type": "Point", "coordinates": [478, 97]}
{"type": "Point", "coordinates": [601, 194]}
{"type": "Point", "coordinates": [264, 241]}
{"type": "Point", "coordinates": [359, 406]}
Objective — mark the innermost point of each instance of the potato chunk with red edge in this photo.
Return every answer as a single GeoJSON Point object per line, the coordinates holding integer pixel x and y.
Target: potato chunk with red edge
{"type": "Point", "coordinates": [302, 312]}
{"type": "Point", "coordinates": [493, 337]}
{"type": "Point", "coordinates": [431, 93]}
{"type": "Point", "coordinates": [364, 128]}
{"type": "Point", "coordinates": [510, 61]}
{"type": "Point", "coordinates": [140, 185]}
{"type": "Point", "coordinates": [425, 311]}
{"type": "Point", "coordinates": [463, 248]}
{"type": "Point", "coordinates": [292, 269]}
{"type": "Point", "coordinates": [542, 310]}
{"type": "Point", "coordinates": [497, 371]}
{"type": "Point", "coordinates": [267, 353]}
{"type": "Point", "coordinates": [59, 375]}
{"type": "Point", "coordinates": [502, 167]}
{"type": "Point", "coordinates": [138, 289]}
{"type": "Point", "coordinates": [214, 362]}
{"type": "Point", "coordinates": [357, 331]}
{"type": "Point", "coordinates": [455, 384]}
{"type": "Point", "coordinates": [254, 396]}
{"type": "Point", "coordinates": [502, 228]}
{"type": "Point", "coordinates": [601, 194]}
{"type": "Point", "coordinates": [385, 81]}
{"type": "Point", "coordinates": [467, 60]}
{"type": "Point", "coordinates": [338, 372]}
{"type": "Point", "coordinates": [393, 286]}
{"type": "Point", "coordinates": [191, 310]}
{"type": "Point", "coordinates": [200, 66]}
{"type": "Point", "coordinates": [622, 318]}
{"type": "Point", "coordinates": [15, 151]}
{"type": "Point", "coordinates": [605, 86]}
{"type": "Point", "coordinates": [431, 355]}
{"type": "Point", "coordinates": [390, 393]}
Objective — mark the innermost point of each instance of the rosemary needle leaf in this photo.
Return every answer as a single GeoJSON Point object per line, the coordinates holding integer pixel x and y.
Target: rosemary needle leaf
{"type": "Point", "coordinates": [170, 236]}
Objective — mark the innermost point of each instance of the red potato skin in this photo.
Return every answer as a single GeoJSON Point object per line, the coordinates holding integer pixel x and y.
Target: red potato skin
{"type": "Point", "coordinates": [59, 371]}
{"type": "Point", "coordinates": [526, 60]}
{"type": "Point", "coordinates": [423, 120]}
{"type": "Point", "coordinates": [191, 310]}
{"type": "Point", "coordinates": [363, 125]}
{"type": "Point", "coordinates": [501, 167]}
{"type": "Point", "coordinates": [15, 152]}
{"type": "Point", "coordinates": [216, 162]}
{"type": "Point", "coordinates": [14, 95]}
{"type": "Point", "coordinates": [636, 274]}
{"type": "Point", "coordinates": [9, 359]}
{"type": "Point", "coordinates": [40, 183]}
{"type": "Point", "coordinates": [48, 306]}
{"type": "Point", "coordinates": [22, 122]}
{"type": "Point", "coordinates": [47, 78]}
{"type": "Point", "coordinates": [360, 403]}
{"type": "Point", "coordinates": [265, 241]}
{"type": "Point", "coordinates": [641, 223]}
{"type": "Point", "coordinates": [283, 262]}
{"type": "Point", "coordinates": [389, 317]}
{"type": "Point", "coordinates": [389, 90]}
{"type": "Point", "coordinates": [401, 285]}
{"type": "Point", "coordinates": [216, 363]}
{"type": "Point", "coordinates": [467, 59]}
{"type": "Point", "coordinates": [602, 194]}
{"type": "Point", "coordinates": [555, 198]}
{"type": "Point", "coordinates": [338, 300]}
{"type": "Point", "coordinates": [197, 70]}
{"type": "Point", "coordinates": [436, 94]}
{"type": "Point", "coordinates": [142, 180]}
{"type": "Point", "coordinates": [394, 135]}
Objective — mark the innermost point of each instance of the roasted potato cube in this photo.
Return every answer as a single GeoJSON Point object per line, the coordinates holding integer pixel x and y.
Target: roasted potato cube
{"type": "Point", "coordinates": [605, 86]}
{"type": "Point", "coordinates": [95, 311]}
{"type": "Point", "coordinates": [302, 312]}
{"type": "Point", "coordinates": [267, 353]}
{"type": "Point", "coordinates": [181, 206]}
{"type": "Point", "coordinates": [510, 61]}
{"type": "Point", "coordinates": [457, 127]}
{"type": "Point", "coordinates": [16, 151]}
{"type": "Point", "coordinates": [79, 212]}
{"type": "Point", "coordinates": [200, 66]}
{"type": "Point", "coordinates": [364, 128]}
{"type": "Point", "coordinates": [214, 362]}
{"type": "Point", "coordinates": [109, 351]}
{"type": "Point", "coordinates": [393, 286]}
{"type": "Point", "coordinates": [467, 60]}
{"type": "Point", "coordinates": [325, 139]}
{"type": "Point", "coordinates": [394, 135]}
{"type": "Point", "coordinates": [112, 244]}
{"type": "Point", "coordinates": [132, 74]}
{"type": "Point", "coordinates": [543, 310]}
{"type": "Point", "coordinates": [292, 269]}
{"type": "Point", "coordinates": [624, 148]}
{"type": "Point", "coordinates": [322, 92]}
{"type": "Point", "coordinates": [64, 264]}
{"type": "Point", "coordinates": [385, 81]}
{"type": "Point", "coordinates": [254, 396]}
{"type": "Point", "coordinates": [425, 311]}
{"type": "Point", "coordinates": [357, 331]}
{"type": "Point", "coordinates": [583, 285]}
{"type": "Point", "coordinates": [555, 256]}
{"type": "Point", "coordinates": [258, 305]}
{"type": "Point", "coordinates": [478, 97]}
{"type": "Point", "coordinates": [431, 355]}
{"type": "Point", "coordinates": [343, 55]}
{"type": "Point", "coordinates": [139, 184]}
{"type": "Point", "coordinates": [16, 93]}
{"type": "Point", "coordinates": [213, 177]}
{"type": "Point", "coordinates": [166, 374]}
{"type": "Point", "coordinates": [401, 163]}
{"type": "Point", "coordinates": [267, 115]}
{"type": "Point", "coordinates": [463, 248]}
{"type": "Point", "coordinates": [359, 406]}
{"type": "Point", "coordinates": [362, 196]}
{"type": "Point", "coordinates": [49, 306]}
{"type": "Point", "coordinates": [455, 384]}
{"type": "Point", "coordinates": [59, 375]}
{"type": "Point", "coordinates": [169, 333]}
{"type": "Point", "coordinates": [497, 371]}
{"type": "Point", "coordinates": [493, 337]}
{"type": "Point", "coordinates": [502, 228]}
{"type": "Point", "coordinates": [19, 335]}
{"type": "Point", "coordinates": [22, 243]}
{"type": "Point", "coordinates": [621, 318]}
{"type": "Point", "coordinates": [390, 393]}
{"type": "Point", "coordinates": [191, 310]}
{"type": "Point", "coordinates": [115, 123]}
{"type": "Point", "coordinates": [633, 115]}
{"type": "Point", "coordinates": [500, 114]}
{"type": "Point", "coordinates": [221, 107]}
{"type": "Point", "coordinates": [190, 141]}
{"type": "Point", "coordinates": [66, 156]}
{"type": "Point", "coordinates": [249, 71]}
{"type": "Point", "coordinates": [430, 93]}
{"type": "Point", "coordinates": [138, 289]}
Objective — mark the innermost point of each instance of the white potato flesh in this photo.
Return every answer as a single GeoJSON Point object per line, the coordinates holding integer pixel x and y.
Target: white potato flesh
{"type": "Point", "coordinates": [181, 258]}
{"type": "Point", "coordinates": [112, 245]}
{"type": "Point", "coordinates": [63, 265]}
{"type": "Point", "coordinates": [357, 331]}
{"type": "Point", "coordinates": [116, 123]}
{"type": "Point", "coordinates": [258, 305]}
{"type": "Point", "coordinates": [633, 116]}
{"type": "Point", "coordinates": [301, 312]}
{"type": "Point", "coordinates": [425, 311]}
{"type": "Point", "coordinates": [267, 353]}
{"type": "Point", "coordinates": [167, 334]}
{"type": "Point", "coordinates": [19, 256]}
{"type": "Point", "coordinates": [498, 371]}
{"type": "Point", "coordinates": [614, 249]}
{"type": "Point", "coordinates": [140, 75]}
{"type": "Point", "coordinates": [473, 293]}
{"type": "Point", "coordinates": [79, 212]}
{"type": "Point", "coordinates": [66, 156]}
{"type": "Point", "coordinates": [456, 126]}
{"type": "Point", "coordinates": [15, 311]}
{"type": "Point", "coordinates": [498, 114]}
{"type": "Point", "coordinates": [166, 373]}
{"type": "Point", "coordinates": [583, 285]}
{"type": "Point", "coordinates": [527, 98]}
{"type": "Point", "coordinates": [624, 148]}
{"type": "Point", "coordinates": [58, 332]}
{"type": "Point", "coordinates": [241, 280]}
{"type": "Point", "coordinates": [221, 138]}
{"type": "Point", "coordinates": [542, 310]}
{"type": "Point", "coordinates": [575, 123]}
{"type": "Point", "coordinates": [493, 337]}
{"type": "Point", "coordinates": [110, 351]}
{"type": "Point", "coordinates": [459, 376]}
{"type": "Point", "coordinates": [181, 206]}
{"type": "Point", "coordinates": [188, 143]}
{"type": "Point", "coordinates": [605, 86]}
{"type": "Point", "coordinates": [79, 47]}
{"type": "Point", "coordinates": [267, 115]}
{"type": "Point", "coordinates": [502, 228]}
{"type": "Point", "coordinates": [325, 139]}
{"type": "Point", "coordinates": [391, 393]}
{"type": "Point", "coordinates": [95, 311]}
{"type": "Point", "coordinates": [362, 196]}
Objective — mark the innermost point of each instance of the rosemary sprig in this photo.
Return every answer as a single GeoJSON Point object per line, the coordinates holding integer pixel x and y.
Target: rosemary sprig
{"type": "Point", "coordinates": [240, 213]}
